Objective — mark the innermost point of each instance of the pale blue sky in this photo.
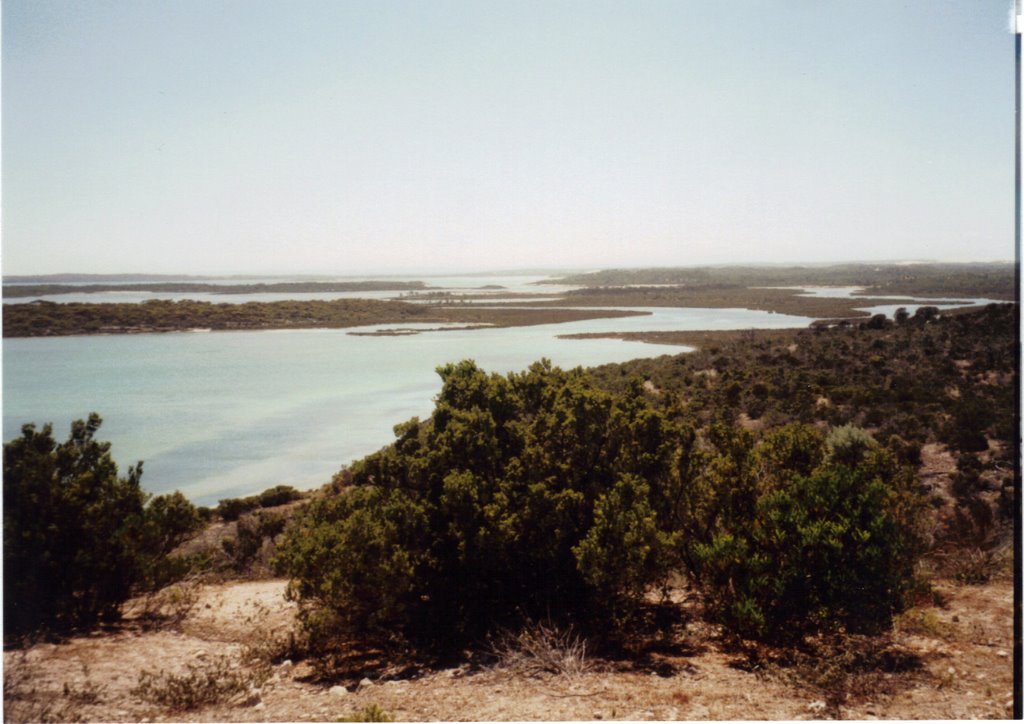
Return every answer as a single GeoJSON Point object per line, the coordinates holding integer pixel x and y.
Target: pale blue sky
{"type": "Point", "coordinates": [218, 136]}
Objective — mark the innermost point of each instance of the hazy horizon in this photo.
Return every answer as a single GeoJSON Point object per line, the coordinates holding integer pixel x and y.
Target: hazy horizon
{"type": "Point", "coordinates": [369, 138]}
{"type": "Point", "coordinates": [493, 271]}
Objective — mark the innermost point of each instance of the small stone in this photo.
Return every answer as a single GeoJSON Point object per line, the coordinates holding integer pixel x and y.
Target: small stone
{"type": "Point", "coordinates": [337, 691]}
{"type": "Point", "coordinates": [1001, 653]}
{"type": "Point", "coordinates": [951, 671]}
{"type": "Point", "coordinates": [286, 664]}
{"type": "Point", "coordinates": [364, 683]}
{"type": "Point", "coordinates": [817, 706]}
{"type": "Point", "coordinates": [259, 706]}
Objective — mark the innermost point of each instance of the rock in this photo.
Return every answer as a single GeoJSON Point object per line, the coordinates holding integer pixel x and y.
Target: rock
{"type": "Point", "coordinates": [337, 691]}
{"type": "Point", "coordinates": [286, 664]}
{"type": "Point", "coordinates": [1001, 653]}
{"type": "Point", "coordinates": [817, 706]}
{"type": "Point", "coordinates": [364, 683]}
{"type": "Point", "coordinates": [260, 706]}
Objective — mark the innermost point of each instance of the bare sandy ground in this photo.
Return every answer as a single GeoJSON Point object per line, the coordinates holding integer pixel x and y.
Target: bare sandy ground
{"type": "Point", "coordinates": [964, 648]}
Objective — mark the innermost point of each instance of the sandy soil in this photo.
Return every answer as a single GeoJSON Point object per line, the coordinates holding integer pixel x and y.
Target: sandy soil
{"type": "Point", "coordinates": [964, 649]}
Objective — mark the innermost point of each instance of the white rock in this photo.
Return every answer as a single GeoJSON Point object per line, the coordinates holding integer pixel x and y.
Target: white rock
{"type": "Point", "coordinates": [337, 691]}
{"type": "Point", "coordinates": [260, 706]}
{"type": "Point", "coordinates": [817, 706]}
{"type": "Point", "coordinates": [364, 683]}
{"type": "Point", "coordinates": [286, 664]}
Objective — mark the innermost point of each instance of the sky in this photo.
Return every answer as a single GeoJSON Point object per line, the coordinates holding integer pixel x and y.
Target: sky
{"type": "Point", "coordinates": [355, 137]}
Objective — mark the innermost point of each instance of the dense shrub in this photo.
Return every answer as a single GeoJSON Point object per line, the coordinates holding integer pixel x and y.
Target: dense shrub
{"type": "Point", "coordinates": [814, 546]}
{"type": "Point", "coordinates": [278, 495]}
{"type": "Point", "coordinates": [525, 496]}
{"type": "Point", "coordinates": [847, 445]}
{"type": "Point", "coordinates": [538, 496]}
{"type": "Point", "coordinates": [78, 538]}
{"type": "Point", "coordinates": [231, 509]}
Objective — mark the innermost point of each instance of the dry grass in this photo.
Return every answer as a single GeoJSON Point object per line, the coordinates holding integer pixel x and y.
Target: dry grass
{"type": "Point", "coordinates": [542, 648]}
{"type": "Point", "coordinates": [214, 682]}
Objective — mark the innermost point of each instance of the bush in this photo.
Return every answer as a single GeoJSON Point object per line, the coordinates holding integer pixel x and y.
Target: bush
{"type": "Point", "coordinates": [77, 538]}
{"type": "Point", "coordinates": [525, 496]}
{"type": "Point", "coordinates": [278, 495]}
{"type": "Point", "coordinates": [848, 444]}
{"type": "Point", "coordinates": [833, 547]}
{"type": "Point", "coordinates": [538, 496]}
{"type": "Point", "coordinates": [231, 509]}
{"type": "Point", "coordinates": [251, 535]}
{"type": "Point", "coordinates": [972, 416]}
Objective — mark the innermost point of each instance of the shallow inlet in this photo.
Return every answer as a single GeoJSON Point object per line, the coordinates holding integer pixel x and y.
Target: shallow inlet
{"type": "Point", "coordinates": [224, 414]}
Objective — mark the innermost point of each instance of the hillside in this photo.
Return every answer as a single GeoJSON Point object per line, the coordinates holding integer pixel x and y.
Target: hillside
{"type": "Point", "coordinates": [937, 390]}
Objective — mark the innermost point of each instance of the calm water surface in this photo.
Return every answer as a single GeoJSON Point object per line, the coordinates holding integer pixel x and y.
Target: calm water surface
{"type": "Point", "coordinates": [224, 414]}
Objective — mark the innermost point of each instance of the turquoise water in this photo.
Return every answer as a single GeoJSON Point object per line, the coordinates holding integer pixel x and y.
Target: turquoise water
{"type": "Point", "coordinates": [224, 414]}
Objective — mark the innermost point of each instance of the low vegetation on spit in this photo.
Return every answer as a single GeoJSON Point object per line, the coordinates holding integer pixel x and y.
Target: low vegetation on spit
{"type": "Point", "coordinates": [778, 476]}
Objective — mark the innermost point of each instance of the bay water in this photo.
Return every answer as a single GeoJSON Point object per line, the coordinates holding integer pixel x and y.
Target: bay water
{"type": "Point", "coordinates": [225, 414]}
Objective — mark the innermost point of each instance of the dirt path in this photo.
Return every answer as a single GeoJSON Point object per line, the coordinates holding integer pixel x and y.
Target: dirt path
{"type": "Point", "coordinates": [965, 651]}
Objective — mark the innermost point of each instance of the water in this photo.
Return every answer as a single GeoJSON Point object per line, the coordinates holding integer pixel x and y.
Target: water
{"type": "Point", "coordinates": [224, 414]}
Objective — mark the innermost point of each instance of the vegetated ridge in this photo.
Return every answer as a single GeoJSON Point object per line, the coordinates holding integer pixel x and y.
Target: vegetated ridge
{"type": "Point", "coordinates": [995, 279]}
{"type": "Point", "coordinates": [45, 319]}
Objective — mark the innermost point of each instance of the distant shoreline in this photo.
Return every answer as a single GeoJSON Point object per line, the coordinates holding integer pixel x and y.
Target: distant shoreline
{"type": "Point", "coordinates": [605, 294]}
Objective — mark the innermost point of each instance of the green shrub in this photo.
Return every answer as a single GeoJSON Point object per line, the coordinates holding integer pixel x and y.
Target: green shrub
{"type": "Point", "coordinates": [835, 547]}
{"type": "Point", "coordinates": [231, 509]}
{"type": "Point", "coordinates": [972, 416]}
{"type": "Point", "coordinates": [77, 538]}
{"type": "Point", "coordinates": [525, 496]}
{"type": "Point", "coordinates": [278, 495]}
